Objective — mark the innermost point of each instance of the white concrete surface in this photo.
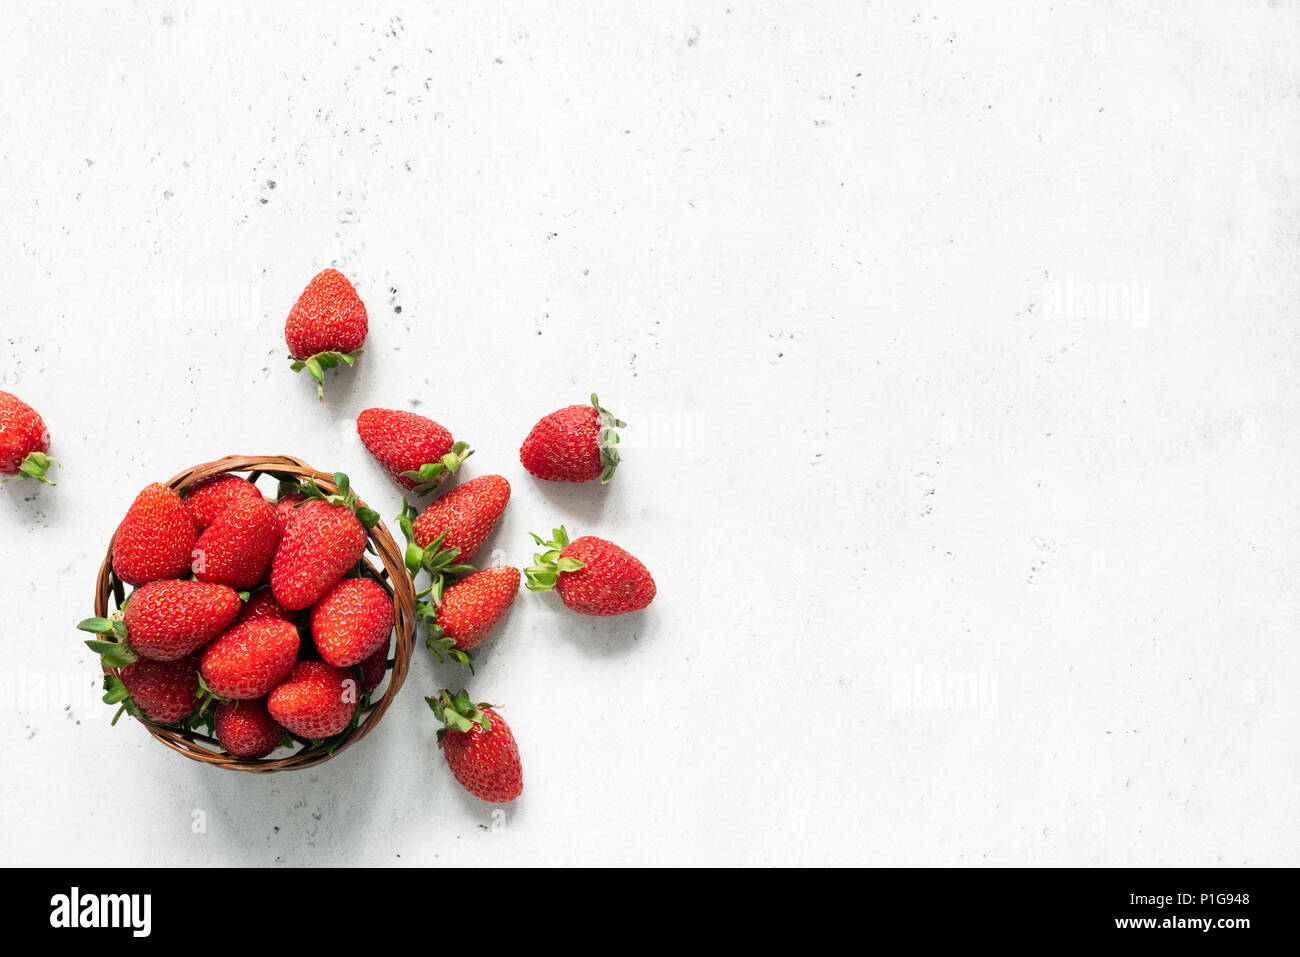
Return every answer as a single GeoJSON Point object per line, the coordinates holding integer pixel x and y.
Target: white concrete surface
{"type": "Point", "coordinates": [958, 344]}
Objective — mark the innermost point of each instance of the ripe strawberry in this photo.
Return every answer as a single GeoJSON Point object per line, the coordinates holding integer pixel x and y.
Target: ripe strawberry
{"type": "Point", "coordinates": [479, 748]}
{"type": "Point", "coordinates": [165, 621]}
{"type": "Point", "coordinates": [352, 622]}
{"type": "Point", "coordinates": [160, 691]}
{"type": "Point", "coordinates": [316, 701]}
{"type": "Point", "coordinates": [236, 549]}
{"type": "Point", "coordinates": [417, 452]}
{"type": "Point", "coordinates": [284, 507]}
{"type": "Point", "coordinates": [324, 538]}
{"type": "Point", "coordinates": [468, 611]}
{"type": "Point", "coordinates": [263, 605]}
{"type": "Point", "coordinates": [375, 667]}
{"type": "Point", "coordinates": [247, 730]}
{"type": "Point", "coordinates": [156, 539]}
{"type": "Point", "coordinates": [592, 576]}
{"type": "Point", "coordinates": [454, 526]}
{"type": "Point", "coordinates": [327, 325]}
{"type": "Point", "coordinates": [24, 441]}
{"type": "Point", "coordinates": [207, 499]}
{"type": "Point", "coordinates": [250, 659]}
{"type": "Point", "coordinates": [576, 444]}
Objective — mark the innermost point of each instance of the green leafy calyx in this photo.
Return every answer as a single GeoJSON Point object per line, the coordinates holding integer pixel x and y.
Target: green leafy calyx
{"type": "Point", "coordinates": [438, 561]}
{"type": "Point", "coordinates": [550, 564]}
{"type": "Point", "coordinates": [608, 440]}
{"type": "Point", "coordinates": [113, 647]}
{"type": "Point", "coordinates": [440, 645]}
{"type": "Point", "coordinates": [457, 712]}
{"type": "Point", "coordinates": [430, 475]}
{"type": "Point", "coordinates": [317, 364]}
{"type": "Point", "coordinates": [344, 496]}
{"type": "Point", "coordinates": [34, 467]}
{"type": "Point", "coordinates": [115, 692]}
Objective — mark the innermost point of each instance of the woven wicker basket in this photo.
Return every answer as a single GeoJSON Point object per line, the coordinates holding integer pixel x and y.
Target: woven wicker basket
{"type": "Point", "coordinates": [392, 576]}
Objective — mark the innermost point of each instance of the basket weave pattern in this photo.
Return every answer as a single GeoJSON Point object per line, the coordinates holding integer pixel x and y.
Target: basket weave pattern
{"type": "Point", "coordinates": [392, 576]}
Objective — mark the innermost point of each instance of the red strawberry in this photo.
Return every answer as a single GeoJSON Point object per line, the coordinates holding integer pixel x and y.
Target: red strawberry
{"type": "Point", "coordinates": [327, 325]}
{"type": "Point", "coordinates": [160, 691]}
{"type": "Point", "coordinates": [165, 621]}
{"type": "Point", "coordinates": [247, 730]}
{"type": "Point", "coordinates": [417, 452]}
{"type": "Point", "coordinates": [316, 700]}
{"type": "Point", "coordinates": [156, 539]}
{"type": "Point", "coordinates": [592, 576]}
{"type": "Point", "coordinates": [250, 659]}
{"type": "Point", "coordinates": [469, 610]}
{"type": "Point", "coordinates": [324, 538]}
{"type": "Point", "coordinates": [207, 499]}
{"type": "Point", "coordinates": [352, 622]}
{"type": "Point", "coordinates": [236, 549]}
{"type": "Point", "coordinates": [460, 520]}
{"type": "Point", "coordinates": [375, 667]}
{"type": "Point", "coordinates": [576, 444]}
{"type": "Point", "coordinates": [24, 440]}
{"type": "Point", "coordinates": [479, 748]}
{"type": "Point", "coordinates": [264, 605]}
{"type": "Point", "coordinates": [284, 507]}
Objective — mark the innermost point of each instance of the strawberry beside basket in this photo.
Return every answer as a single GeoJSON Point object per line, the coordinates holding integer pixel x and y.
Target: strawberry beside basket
{"type": "Point", "coordinates": [382, 563]}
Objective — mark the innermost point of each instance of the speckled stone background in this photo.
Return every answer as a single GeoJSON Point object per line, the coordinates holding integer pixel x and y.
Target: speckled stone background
{"type": "Point", "coordinates": [958, 345]}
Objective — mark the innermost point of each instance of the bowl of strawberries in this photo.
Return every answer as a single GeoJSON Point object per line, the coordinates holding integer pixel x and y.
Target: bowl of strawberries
{"type": "Point", "coordinates": [253, 631]}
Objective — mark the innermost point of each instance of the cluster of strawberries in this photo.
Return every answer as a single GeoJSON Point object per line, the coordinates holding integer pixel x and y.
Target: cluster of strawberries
{"type": "Point", "coordinates": [460, 606]}
{"type": "Point", "coordinates": [259, 619]}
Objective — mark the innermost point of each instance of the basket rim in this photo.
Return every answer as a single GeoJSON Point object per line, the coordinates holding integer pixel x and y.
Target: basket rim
{"type": "Point", "coordinates": [393, 577]}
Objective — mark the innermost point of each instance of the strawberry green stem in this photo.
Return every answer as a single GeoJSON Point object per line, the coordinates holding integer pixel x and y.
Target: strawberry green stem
{"type": "Point", "coordinates": [317, 364]}
{"type": "Point", "coordinates": [368, 517]}
{"type": "Point", "coordinates": [207, 698]}
{"type": "Point", "coordinates": [549, 564]}
{"type": "Point", "coordinates": [116, 651]}
{"type": "Point", "coordinates": [34, 467]}
{"type": "Point", "coordinates": [440, 645]}
{"type": "Point", "coordinates": [430, 475]}
{"type": "Point", "coordinates": [457, 712]}
{"type": "Point", "coordinates": [115, 693]}
{"type": "Point", "coordinates": [438, 561]}
{"type": "Point", "coordinates": [608, 440]}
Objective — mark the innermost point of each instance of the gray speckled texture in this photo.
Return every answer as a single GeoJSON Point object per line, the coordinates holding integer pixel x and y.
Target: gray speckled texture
{"type": "Point", "coordinates": [958, 344]}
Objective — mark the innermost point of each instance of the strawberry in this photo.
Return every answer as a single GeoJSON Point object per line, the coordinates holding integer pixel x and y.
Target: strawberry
{"type": "Point", "coordinates": [24, 441]}
{"type": "Point", "coordinates": [250, 659]}
{"type": "Point", "coordinates": [374, 667]}
{"type": "Point", "coordinates": [327, 326]}
{"type": "Point", "coordinates": [156, 539]}
{"type": "Point", "coordinates": [592, 576]}
{"type": "Point", "coordinates": [576, 444]}
{"type": "Point", "coordinates": [284, 507]}
{"type": "Point", "coordinates": [263, 605]}
{"type": "Point", "coordinates": [454, 526]}
{"type": "Point", "coordinates": [417, 452]}
{"type": "Point", "coordinates": [206, 499]}
{"type": "Point", "coordinates": [352, 622]}
{"type": "Point", "coordinates": [236, 549]}
{"type": "Point", "coordinates": [316, 701]}
{"type": "Point", "coordinates": [247, 730]}
{"type": "Point", "coordinates": [164, 621]}
{"type": "Point", "coordinates": [323, 539]}
{"type": "Point", "coordinates": [469, 610]}
{"type": "Point", "coordinates": [163, 692]}
{"type": "Point", "coordinates": [479, 748]}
